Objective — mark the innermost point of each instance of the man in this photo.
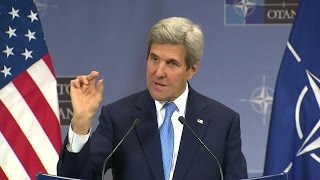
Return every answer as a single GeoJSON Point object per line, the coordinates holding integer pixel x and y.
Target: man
{"type": "Point", "coordinates": [159, 148]}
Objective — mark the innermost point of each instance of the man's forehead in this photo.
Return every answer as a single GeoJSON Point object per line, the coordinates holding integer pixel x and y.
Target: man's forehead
{"type": "Point", "coordinates": [168, 51]}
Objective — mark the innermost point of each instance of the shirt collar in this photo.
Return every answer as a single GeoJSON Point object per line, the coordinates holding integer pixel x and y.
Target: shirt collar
{"type": "Point", "coordinates": [180, 102]}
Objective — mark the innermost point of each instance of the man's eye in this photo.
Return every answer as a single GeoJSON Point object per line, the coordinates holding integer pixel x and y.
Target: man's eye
{"type": "Point", "coordinates": [173, 64]}
{"type": "Point", "coordinates": [154, 58]}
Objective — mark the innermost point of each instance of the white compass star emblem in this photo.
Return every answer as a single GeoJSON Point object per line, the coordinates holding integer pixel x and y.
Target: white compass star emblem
{"type": "Point", "coordinates": [313, 80]}
{"type": "Point", "coordinates": [261, 100]}
{"type": "Point", "coordinates": [244, 7]}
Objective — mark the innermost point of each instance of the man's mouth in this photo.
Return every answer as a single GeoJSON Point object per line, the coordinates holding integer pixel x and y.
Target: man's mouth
{"type": "Point", "coordinates": [158, 84]}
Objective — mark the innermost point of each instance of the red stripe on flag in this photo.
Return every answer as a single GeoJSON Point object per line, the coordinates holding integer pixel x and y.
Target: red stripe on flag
{"type": "Point", "coordinates": [19, 143]}
{"type": "Point", "coordinates": [46, 58]}
{"type": "Point", "coordinates": [40, 108]}
{"type": "Point", "coordinates": [2, 175]}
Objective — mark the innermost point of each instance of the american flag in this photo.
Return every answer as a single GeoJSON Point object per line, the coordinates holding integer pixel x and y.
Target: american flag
{"type": "Point", "coordinates": [30, 138]}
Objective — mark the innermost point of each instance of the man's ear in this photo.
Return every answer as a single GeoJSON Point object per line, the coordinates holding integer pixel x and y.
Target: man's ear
{"type": "Point", "coordinates": [192, 71]}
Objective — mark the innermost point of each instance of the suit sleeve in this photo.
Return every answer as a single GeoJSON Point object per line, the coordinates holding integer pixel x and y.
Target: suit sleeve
{"type": "Point", "coordinates": [234, 162]}
{"type": "Point", "coordinates": [87, 164]}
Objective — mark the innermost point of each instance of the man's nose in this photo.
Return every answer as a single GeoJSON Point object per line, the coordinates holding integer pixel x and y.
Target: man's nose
{"type": "Point", "coordinates": [160, 71]}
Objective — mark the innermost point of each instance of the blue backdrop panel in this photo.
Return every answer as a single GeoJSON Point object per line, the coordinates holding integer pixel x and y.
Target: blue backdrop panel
{"type": "Point", "coordinates": [239, 65]}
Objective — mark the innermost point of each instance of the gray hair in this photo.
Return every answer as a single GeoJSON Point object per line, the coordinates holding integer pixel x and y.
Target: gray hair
{"type": "Point", "coordinates": [178, 30]}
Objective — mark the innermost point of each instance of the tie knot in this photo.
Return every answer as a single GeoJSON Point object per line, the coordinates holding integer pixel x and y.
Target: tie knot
{"type": "Point", "coordinates": [170, 108]}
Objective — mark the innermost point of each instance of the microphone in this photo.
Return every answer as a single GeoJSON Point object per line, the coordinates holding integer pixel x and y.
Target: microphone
{"type": "Point", "coordinates": [183, 122]}
{"type": "Point", "coordinates": [135, 123]}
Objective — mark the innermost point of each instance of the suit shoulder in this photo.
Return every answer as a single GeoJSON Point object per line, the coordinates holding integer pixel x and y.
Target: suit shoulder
{"type": "Point", "coordinates": [214, 104]}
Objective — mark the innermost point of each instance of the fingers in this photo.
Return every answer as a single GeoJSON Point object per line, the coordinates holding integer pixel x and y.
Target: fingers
{"type": "Point", "coordinates": [85, 79]}
{"type": "Point", "coordinates": [75, 83]}
{"type": "Point", "coordinates": [100, 86]}
{"type": "Point", "coordinates": [93, 75]}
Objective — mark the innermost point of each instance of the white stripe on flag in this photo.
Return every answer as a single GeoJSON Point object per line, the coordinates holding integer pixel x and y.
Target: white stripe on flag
{"type": "Point", "coordinates": [46, 83]}
{"type": "Point", "coordinates": [11, 165]}
{"type": "Point", "coordinates": [30, 126]}
{"type": "Point", "coordinates": [294, 53]}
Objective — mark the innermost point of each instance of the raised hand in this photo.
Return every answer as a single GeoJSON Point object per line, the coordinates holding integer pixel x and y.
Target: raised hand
{"type": "Point", "coordinates": [86, 96]}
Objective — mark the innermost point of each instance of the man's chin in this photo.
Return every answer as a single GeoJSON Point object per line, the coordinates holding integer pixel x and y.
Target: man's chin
{"type": "Point", "coordinates": [158, 96]}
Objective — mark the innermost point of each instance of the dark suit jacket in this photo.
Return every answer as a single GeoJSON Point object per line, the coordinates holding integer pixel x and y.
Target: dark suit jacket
{"type": "Point", "coordinates": [139, 157]}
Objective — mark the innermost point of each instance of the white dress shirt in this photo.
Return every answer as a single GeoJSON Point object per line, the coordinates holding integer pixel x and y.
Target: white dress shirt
{"type": "Point", "coordinates": [76, 142]}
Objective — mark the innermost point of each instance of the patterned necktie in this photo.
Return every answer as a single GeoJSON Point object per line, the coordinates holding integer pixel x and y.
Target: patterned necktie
{"type": "Point", "coordinates": [167, 139]}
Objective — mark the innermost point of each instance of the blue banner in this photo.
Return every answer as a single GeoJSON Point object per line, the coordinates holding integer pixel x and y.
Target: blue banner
{"type": "Point", "coordinates": [293, 140]}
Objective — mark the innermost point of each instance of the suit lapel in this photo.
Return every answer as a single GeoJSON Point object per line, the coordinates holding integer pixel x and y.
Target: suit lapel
{"type": "Point", "coordinates": [148, 133]}
{"type": "Point", "coordinates": [196, 119]}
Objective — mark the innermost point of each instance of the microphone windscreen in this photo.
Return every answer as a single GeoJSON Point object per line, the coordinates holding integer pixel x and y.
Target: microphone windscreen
{"type": "Point", "coordinates": [182, 120]}
{"type": "Point", "coordinates": [136, 122]}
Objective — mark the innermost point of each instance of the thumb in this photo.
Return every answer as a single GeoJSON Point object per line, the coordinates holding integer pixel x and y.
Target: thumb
{"type": "Point", "coordinates": [100, 86]}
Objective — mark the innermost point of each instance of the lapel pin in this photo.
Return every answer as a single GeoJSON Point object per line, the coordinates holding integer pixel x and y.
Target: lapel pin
{"type": "Point", "coordinates": [200, 121]}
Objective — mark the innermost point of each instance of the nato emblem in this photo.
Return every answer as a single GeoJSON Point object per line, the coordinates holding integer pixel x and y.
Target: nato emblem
{"type": "Point", "coordinates": [260, 12]}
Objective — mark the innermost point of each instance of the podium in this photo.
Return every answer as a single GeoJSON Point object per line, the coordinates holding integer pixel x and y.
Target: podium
{"type": "Point", "coordinates": [42, 176]}
{"type": "Point", "coordinates": [281, 176]}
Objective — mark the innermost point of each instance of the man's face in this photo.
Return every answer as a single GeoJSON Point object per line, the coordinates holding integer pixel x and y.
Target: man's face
{"type": "Point", "coordinates": [167, 72]}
